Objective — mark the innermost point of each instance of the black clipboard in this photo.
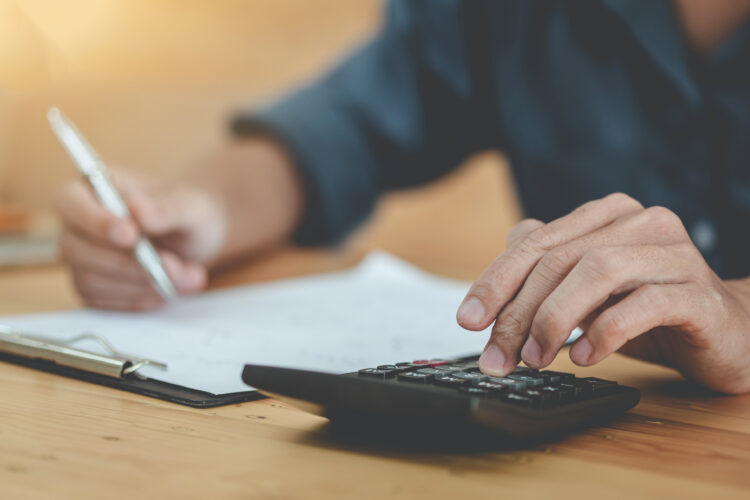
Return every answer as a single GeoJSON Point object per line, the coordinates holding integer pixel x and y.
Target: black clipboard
{"type": "Point", "coordinates": [130, 381]}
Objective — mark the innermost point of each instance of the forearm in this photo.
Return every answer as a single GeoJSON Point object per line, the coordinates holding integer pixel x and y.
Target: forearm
{"type": "Point", "coordinates": [257, 189]}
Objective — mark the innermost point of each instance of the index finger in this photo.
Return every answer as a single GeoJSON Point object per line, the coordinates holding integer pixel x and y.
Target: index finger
{"type": "Point", "coordinates": [502, 279]}
{"type": "Point", "coordinates": [85, 215]}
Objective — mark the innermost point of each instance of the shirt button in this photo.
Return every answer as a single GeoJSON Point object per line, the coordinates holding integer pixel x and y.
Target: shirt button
{"type": "Point", "coordinates": [703, 235]}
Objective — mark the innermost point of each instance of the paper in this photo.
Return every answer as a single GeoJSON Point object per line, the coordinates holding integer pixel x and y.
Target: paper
{"type": "Point", "coordinates": [384, 310]}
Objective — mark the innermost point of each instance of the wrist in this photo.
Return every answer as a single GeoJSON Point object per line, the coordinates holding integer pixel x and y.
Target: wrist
{"type": "Point", "coordinates": [258, 194]}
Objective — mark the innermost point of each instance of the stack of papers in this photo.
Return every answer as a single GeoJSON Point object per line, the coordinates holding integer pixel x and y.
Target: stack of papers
{"type": "Point", "coordinates": [383, 310]}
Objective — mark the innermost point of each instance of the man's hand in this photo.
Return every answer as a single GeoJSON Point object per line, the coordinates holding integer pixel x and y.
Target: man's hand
{"type": "Point", "coordinates": [247, 198]}
{"type": "Point", "coordinates": [630, 277]}
{"type": "Point", "coordinates": [183, 222]}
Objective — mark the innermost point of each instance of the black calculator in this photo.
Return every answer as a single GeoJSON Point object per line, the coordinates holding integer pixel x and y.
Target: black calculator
{"type": "Point", "coordinates": [444, 395]}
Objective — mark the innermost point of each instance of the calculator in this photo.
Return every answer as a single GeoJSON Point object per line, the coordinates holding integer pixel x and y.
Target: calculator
{"type": "Point", "coordinates": [444, 395]}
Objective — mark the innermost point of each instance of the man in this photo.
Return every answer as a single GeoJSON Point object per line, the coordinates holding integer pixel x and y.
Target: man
{"type": "Point", "coordinates": [587, 98]}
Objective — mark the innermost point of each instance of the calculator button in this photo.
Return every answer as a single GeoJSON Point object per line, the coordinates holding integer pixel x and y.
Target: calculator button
{"type": "Point", "coordinates": [524, 370]}
{"type": "Point", "coordinates": [511, 384]}
{"type": "Point", "coordinates": [376, 373]}
{"type": "Point", "coordinates": [530, 380]}
{"type": "Point", "coordinates": [471, 376]}
{"type": "Point", "coordinates": [553, 377]}
{"type": "Point", "coordinates": [491, 387]}
{"type": "Point", "coordinates": [553, 394]}
{"type": "Point", "coordinates": [573, 391]}
{"type": "Point", "coordinates": [567, 393]}
{"type": "Point", "coordinates": [450, 381]}
{"type": "Point", "coordinates": [593, 386]}
{"type": "Point", "coordinates": [446, 368]}
{"type": "Point", "coordinates": [395, 368]}
{"type": "Point", "coordinates": [467, 365]}
{"type": "Point", "coordinates": [474, 391]}
{"type": "Point", "coordinates": [518, 399]}
{"type": "Point", "coordinates": [404, 366]}
{"type": "Point", "coordinates": [438, 362]}
{"type": "Point", "coordinates": [539, 398]}
{"type": "Point", "coordinates": [429, 371]}
{"type": "Point", "coordinates": [420, 362]}
{"type": "Point", "coordinates": [415, 377]}
{"type": "Point", "coordinates": [550, 378]}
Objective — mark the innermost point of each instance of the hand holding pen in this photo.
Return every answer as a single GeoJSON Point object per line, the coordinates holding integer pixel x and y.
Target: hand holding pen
{"type": "Point", "coordinates": [107, 222]}
{"type": "Point", "coordinates": [245, 198]}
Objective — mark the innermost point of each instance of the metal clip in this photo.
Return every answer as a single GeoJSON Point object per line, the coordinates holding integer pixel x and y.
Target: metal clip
{"type": "Point", "coordinates": [115, 364]}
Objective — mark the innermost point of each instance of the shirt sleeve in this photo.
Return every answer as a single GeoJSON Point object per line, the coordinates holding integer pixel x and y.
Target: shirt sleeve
{"type": "Point", "coordinates": [402, 110]}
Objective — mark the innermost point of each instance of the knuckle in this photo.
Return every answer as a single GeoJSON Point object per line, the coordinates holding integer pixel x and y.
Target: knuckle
{"type": "Point", "coordinates": [526, 225]}
{"type": "Point", "coordinates": [663, 219]}
{"type": "Point", "coordinates": [510, 323]}
{"type": "Point", "coordinates": [548, 319]}
{"type": "Point", "coordinates": [619, 199]}
{"type": "Point", "coordinates": [603, 262]}
{"type": "Point", "coordinates": [556, 262]}
{"type": "Point", "coordinates": [522, 228]}
{"type": "Point", "coordinates": [615, 325]}
{"type": "Point", "coordinates": [483, 290]}
{"type": "Point", "coordinates": [541, 238]}
{"type": "Point", "coordinates": [661, 214]}
{"type": "Point", "coordinates": [614, 331]}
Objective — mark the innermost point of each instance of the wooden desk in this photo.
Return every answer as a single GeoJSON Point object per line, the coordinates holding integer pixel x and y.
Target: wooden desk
{"type": "Point", "coordinates": [62, 438]}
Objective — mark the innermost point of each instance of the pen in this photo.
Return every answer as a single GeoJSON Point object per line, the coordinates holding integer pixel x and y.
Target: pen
{"type": "Point", "coordinates": [95, 171]}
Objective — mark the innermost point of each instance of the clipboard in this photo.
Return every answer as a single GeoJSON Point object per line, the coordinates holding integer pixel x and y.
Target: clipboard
{"type": "Point", "coordinates": [115, 369]}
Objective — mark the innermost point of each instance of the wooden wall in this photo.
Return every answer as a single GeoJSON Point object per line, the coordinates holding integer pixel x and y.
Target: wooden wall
{"type": "Point", "coordinates": [151, 83]}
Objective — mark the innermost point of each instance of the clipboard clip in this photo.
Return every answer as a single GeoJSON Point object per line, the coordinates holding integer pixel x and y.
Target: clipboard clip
{"type": "Point", "coordinates": [114, 364]}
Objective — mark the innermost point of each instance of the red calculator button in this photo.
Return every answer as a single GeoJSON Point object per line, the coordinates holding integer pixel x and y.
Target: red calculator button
{"type": "Point", "coordinates": [438, 363]}
{"type": "Point", "coordinates": [421, 362]}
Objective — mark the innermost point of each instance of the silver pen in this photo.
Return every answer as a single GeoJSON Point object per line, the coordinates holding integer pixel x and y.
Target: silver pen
{"type": "Point", "coordinates": [95, 171]}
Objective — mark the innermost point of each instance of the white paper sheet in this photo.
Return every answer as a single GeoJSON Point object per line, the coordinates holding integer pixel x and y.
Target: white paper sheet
{"type": "Point", "coordinates": [384, 310]}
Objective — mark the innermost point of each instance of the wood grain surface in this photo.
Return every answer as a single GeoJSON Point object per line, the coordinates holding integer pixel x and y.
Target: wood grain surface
{"type": "Point", "coordinates": [62, 438]}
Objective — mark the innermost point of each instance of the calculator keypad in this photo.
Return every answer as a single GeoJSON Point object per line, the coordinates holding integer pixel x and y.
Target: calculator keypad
{"type": "Point", "coordinates": [523, 387]}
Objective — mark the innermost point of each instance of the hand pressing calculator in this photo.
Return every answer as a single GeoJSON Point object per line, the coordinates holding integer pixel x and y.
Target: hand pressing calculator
{"type": "Point", "coordinates": [526, 405]}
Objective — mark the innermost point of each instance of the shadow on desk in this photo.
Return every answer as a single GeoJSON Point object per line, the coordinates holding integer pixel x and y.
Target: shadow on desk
{"type": "Point", "coordinates": [680, 429]}
{"type": "Point", "coordinates": [410, 440]}
{"type": "Point", "coordinates": [681, 394]}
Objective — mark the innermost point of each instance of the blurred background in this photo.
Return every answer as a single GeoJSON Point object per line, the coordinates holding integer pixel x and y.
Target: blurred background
{"type": "Point", "coordinates": [151, 83]}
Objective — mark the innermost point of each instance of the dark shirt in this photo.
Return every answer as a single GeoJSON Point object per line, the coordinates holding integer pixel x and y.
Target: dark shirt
{"type": "Point", "coordinates": [585, 97]}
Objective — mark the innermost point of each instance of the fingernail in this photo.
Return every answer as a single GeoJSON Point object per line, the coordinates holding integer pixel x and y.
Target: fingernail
{"type": "Point", "coordinates": [581, 351]}
{"type": "Point", "coordinates": [492, 360]}
{"type": "Point", "coordinates": [471, 312]}
{"type": "Point", "coordinates": [121, 233]}
{"type": "Point", "coordinates": [531, 353]}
